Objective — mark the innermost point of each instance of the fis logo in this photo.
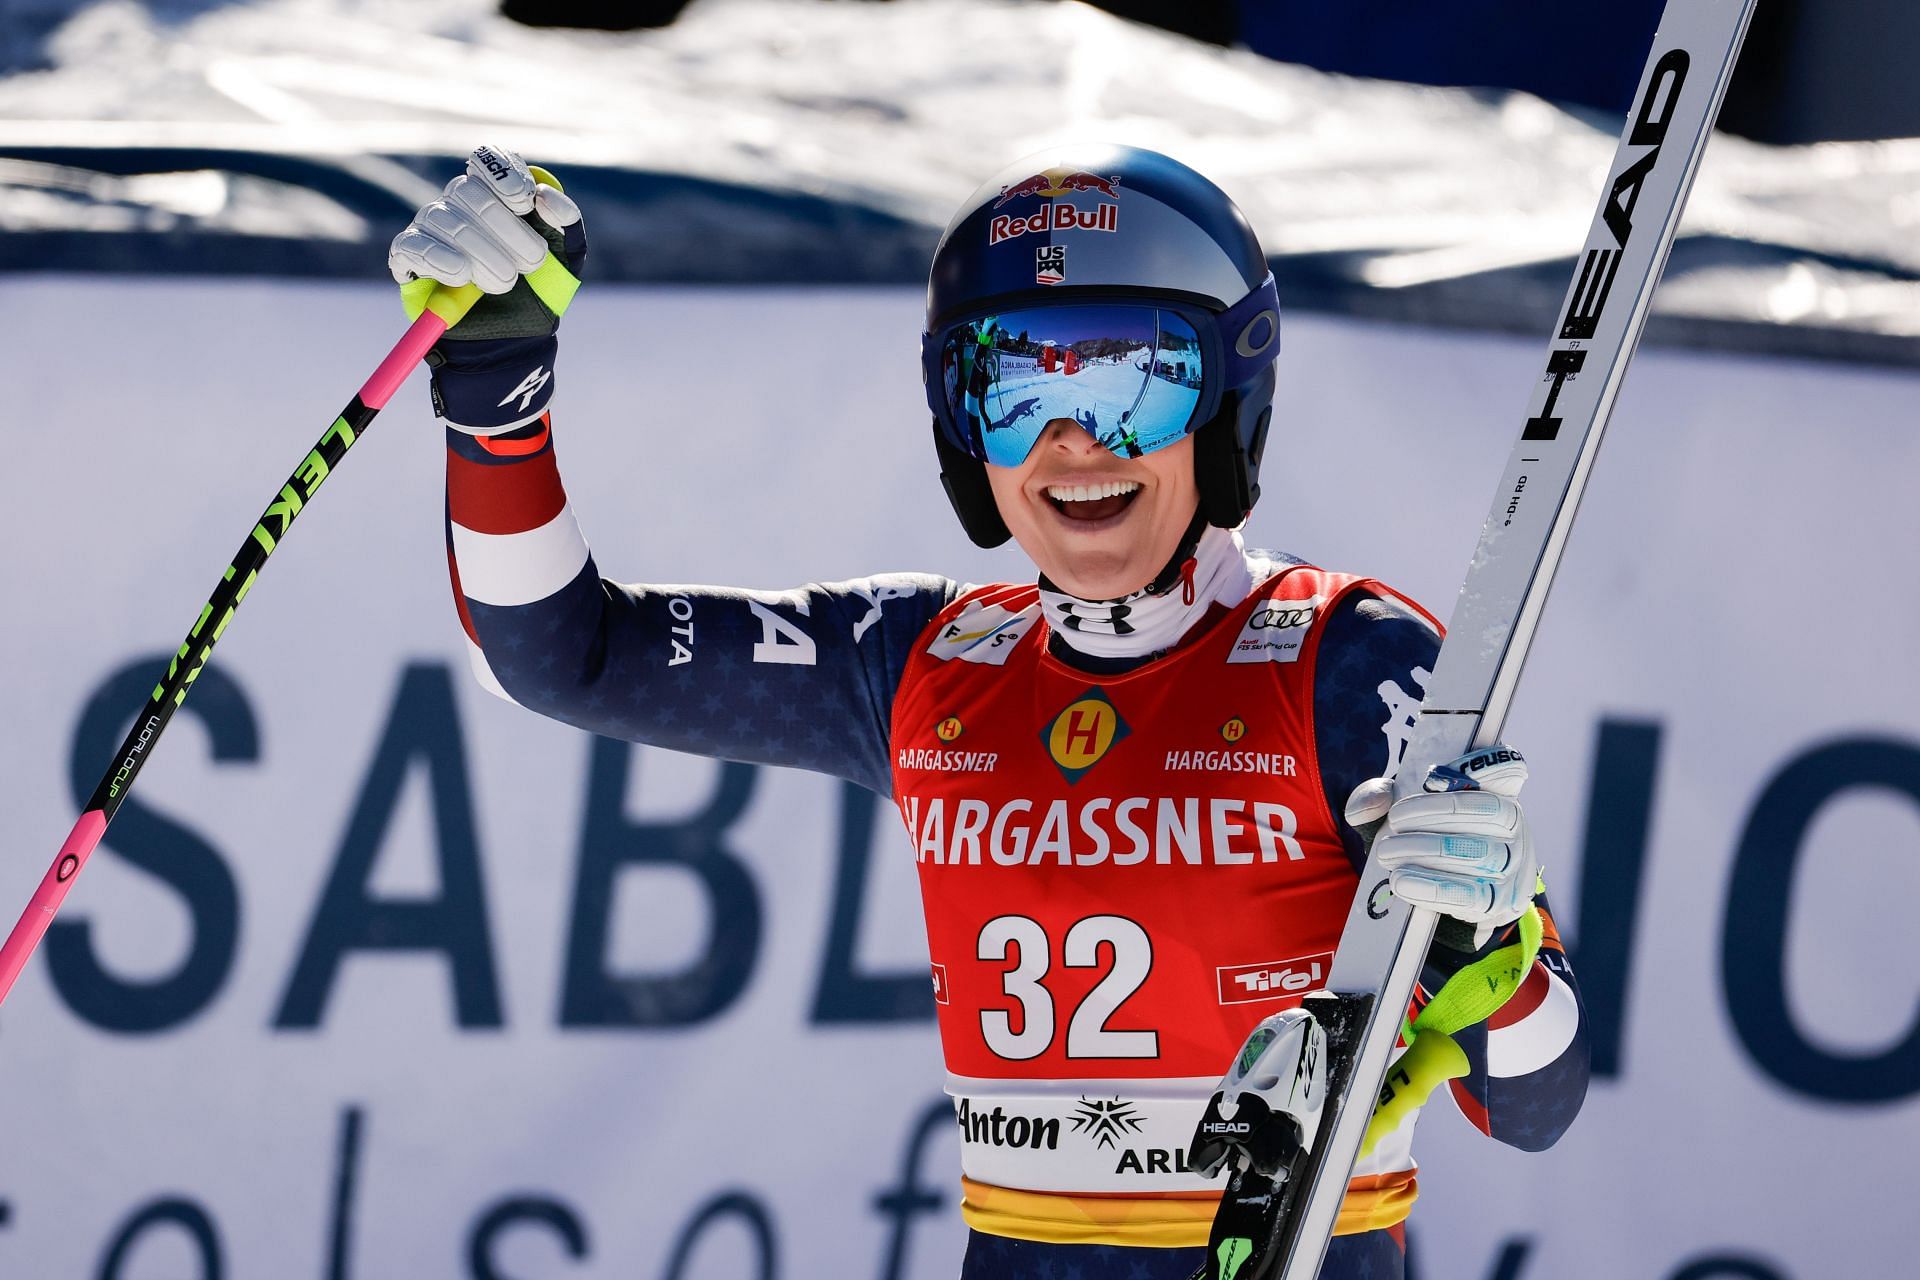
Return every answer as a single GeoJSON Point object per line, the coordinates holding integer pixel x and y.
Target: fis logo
{"type": "Point", "coordinates": [1081, 735]}
{"type": "Point", "coordinates": [983, 633]}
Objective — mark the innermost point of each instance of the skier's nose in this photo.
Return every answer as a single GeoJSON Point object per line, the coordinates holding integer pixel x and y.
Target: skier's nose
{"type": "Point", "coordinates": [1070, 437]}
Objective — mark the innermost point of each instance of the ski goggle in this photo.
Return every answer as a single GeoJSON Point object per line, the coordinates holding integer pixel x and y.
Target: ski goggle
{"type": "Point", "coordinates": [1137, 376]}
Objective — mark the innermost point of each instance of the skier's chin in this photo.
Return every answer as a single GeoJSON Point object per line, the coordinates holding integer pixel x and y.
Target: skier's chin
{"type": "Point", "coordinates": [1097, 526]}
{"type": "Point", "coordinates": [1099, 555]}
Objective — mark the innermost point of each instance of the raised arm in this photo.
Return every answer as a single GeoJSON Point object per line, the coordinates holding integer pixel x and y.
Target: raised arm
{"type": "Point", "coordinates": [803, 677]}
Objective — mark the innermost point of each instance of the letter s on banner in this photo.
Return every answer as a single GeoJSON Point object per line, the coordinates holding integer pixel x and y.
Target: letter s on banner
{"type": "Point", "coordinates": [171, 851]}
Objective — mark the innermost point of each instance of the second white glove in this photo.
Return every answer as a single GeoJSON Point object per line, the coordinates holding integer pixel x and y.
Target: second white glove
{"type": "Point", "coordinates": [1461, 848]}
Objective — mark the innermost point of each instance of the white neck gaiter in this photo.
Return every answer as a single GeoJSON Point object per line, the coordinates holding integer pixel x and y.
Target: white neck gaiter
{"type": "Point", "coordinates": [1140, 624]}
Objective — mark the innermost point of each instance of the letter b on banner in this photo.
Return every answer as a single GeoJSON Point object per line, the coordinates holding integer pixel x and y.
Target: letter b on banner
{"type": "Point", "coordinates": [593, 997]}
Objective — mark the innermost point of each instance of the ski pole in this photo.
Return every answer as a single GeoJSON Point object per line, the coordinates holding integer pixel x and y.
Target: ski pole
{"type": "Point", "coordinates": [444, 308]}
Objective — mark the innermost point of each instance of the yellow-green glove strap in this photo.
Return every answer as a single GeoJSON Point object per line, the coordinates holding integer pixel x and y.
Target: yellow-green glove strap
{"type": "Point", "coordinates": [1473, 994]}
{"type": "Point", "coordinates": [551, 282]}
{"type": "Point", "coordinates": [449, 302]}
{"type": "Point", "coordinates": [1470, 996]}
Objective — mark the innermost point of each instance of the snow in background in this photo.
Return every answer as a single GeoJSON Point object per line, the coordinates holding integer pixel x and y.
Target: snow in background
{"type": "Point", "coordinates": [772, 140]}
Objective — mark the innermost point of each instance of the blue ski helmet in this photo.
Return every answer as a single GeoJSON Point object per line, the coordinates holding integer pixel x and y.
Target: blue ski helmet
{"type": "Point", "coordinates": [1080, 266]}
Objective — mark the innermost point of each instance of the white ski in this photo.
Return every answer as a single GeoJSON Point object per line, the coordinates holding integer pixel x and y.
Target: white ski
{"type": "Point", "coordinates": [1384, 943]}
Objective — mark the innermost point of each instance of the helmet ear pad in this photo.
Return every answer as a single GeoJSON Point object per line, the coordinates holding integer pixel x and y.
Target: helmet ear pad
{"type": "Point", "coordinates": [1227, 449]}
{"type": "Point", "coordinates": [965, 480]}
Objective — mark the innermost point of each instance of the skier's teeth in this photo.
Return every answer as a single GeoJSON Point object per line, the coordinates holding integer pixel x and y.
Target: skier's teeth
{"type": "Point", "coordinates": [1090, 492]}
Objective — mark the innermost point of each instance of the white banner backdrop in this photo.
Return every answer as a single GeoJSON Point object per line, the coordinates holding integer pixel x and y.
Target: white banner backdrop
{"type": "Point", "coordinates": [523, 1036]}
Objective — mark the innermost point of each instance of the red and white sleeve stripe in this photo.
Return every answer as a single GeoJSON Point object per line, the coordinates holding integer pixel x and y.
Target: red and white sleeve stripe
{"type": "Point", "coordinates": [512, 536]}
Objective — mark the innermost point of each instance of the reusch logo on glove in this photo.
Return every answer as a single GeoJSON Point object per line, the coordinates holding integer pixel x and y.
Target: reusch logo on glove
{"type": "Point", "coordinates": [529, 388]}
{"type": "Point", "coordinates": [495, 165]}
{"type": "Point", "coordinates": [1488, 759]}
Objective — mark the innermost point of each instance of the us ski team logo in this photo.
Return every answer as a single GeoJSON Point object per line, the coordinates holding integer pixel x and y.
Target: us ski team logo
{"type": "Point", "coordinates": [1050, 264]}
{"type": "Point", "coordinates": [1081, 735]}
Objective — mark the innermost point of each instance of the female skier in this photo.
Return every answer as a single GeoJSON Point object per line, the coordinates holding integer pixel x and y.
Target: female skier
{"type": "Point", "coordinates": [1138, 788]}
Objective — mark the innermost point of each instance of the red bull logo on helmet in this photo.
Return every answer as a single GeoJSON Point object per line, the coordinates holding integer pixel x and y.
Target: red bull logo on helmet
{"type": "Point", "coordinates": [1055, 217]}
{"type": "Point", "coordinates": [1059, 182]}
{"type": "Point", "coordinates": [1061, 216]}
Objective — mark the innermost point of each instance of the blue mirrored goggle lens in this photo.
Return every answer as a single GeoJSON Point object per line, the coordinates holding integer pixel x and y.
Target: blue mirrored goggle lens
{"type": "Point", "coordinates": [1130, 375]}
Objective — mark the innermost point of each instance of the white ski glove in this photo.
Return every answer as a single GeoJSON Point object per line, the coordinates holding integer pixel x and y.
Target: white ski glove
{"type": "Point", "coordinates": [1462, 847]}
{"type": "Point", "coordinates": [475, 233]}
{"type": "Point", "coordinates": [506, 227]}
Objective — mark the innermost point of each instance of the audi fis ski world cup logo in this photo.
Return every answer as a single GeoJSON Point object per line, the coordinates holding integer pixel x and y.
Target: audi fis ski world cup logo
{"type": "Point", "coordinates": [1082, 734]}
{"type": "Point", "coordinates": [1059, 214]}
{"type": "Point", "coordinates": [1281, 614]}
{"type": "Point", "coordinates": [1274, 631]}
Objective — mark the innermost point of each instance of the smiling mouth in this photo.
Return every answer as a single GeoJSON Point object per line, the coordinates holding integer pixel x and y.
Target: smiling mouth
{"type": "Point", "coordinates": [1092, 501]}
